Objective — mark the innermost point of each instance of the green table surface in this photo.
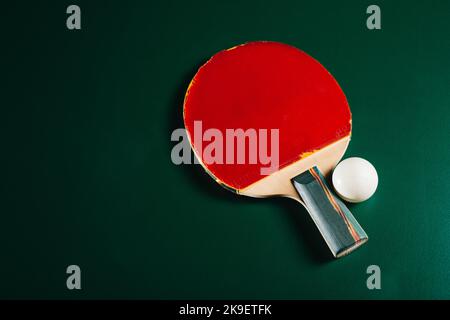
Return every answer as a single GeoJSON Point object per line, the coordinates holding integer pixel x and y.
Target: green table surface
{"type": "Point", "coordinates": [86, 174]}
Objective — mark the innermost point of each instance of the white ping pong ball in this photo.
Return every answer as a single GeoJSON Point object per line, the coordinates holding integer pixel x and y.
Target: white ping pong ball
{"type": "Point", "coordinates": [355, 179]}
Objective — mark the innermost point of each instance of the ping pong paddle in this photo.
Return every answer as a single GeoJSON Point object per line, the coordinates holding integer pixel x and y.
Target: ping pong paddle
{"type": "Point", "coordinates": [271, 87]}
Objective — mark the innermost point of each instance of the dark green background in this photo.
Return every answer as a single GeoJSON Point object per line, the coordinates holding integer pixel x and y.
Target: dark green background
{"type": "Point", "coordinates": [87, 178]}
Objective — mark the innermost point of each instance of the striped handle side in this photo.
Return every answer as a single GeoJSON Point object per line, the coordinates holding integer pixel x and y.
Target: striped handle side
{"type": "Point", "coordinates": [339, 228]}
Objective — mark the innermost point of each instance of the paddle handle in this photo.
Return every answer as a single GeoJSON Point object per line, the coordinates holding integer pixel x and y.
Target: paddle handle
{"type": "Point", "coordinates": [339, 228]}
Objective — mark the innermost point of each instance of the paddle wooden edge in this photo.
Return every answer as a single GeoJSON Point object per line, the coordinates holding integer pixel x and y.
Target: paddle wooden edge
{"type": "Point", "coordinates": [279, 183]}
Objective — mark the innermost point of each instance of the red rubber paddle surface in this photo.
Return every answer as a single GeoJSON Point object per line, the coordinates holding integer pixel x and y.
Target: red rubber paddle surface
{"type": "Point", "coordinates": [266, 85]}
